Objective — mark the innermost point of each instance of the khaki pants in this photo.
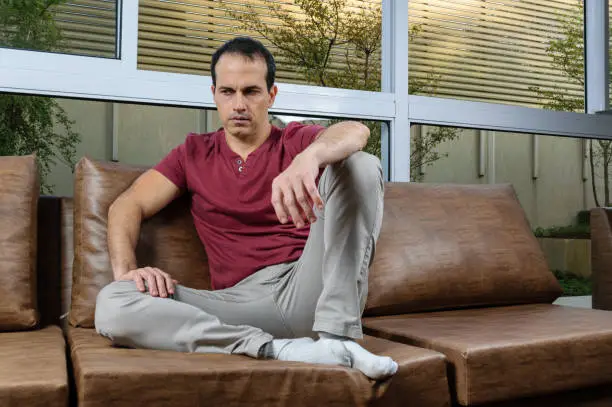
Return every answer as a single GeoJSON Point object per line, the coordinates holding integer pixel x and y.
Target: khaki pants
{"type": "Point", "coordinates": [324, 291]}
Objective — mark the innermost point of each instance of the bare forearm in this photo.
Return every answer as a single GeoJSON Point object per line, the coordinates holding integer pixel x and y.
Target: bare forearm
{"type": "Point", "coordinates": [338, 142]}
{"type": "Point", "coordinates": [124, 219]}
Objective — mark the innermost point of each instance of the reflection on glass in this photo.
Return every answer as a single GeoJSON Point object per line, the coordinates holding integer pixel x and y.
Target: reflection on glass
{"type": "Point", "coordinates": [83, 27]}
{"type": "Point", "coordinates": [526, 53]}
{"type": "Point", "coordinates": [334, 44]}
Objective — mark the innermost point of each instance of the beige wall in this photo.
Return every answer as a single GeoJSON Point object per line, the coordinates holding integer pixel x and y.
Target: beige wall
{"type": "Point", "coordinates": [93, 123]}
{"type": "Point", "coordinates": [553, 196]}
{"type": "Point", "coordinates": [145, 134]}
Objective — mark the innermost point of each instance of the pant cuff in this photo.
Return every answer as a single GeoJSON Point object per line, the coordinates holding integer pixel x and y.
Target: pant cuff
{"type": "Point", "coordinates": [255, 344]}
{"type": "Point", "coordinates": [353, 331]}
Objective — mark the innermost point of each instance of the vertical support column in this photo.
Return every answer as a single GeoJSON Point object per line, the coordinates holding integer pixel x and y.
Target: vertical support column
{"type": "Point", "coordinates": [482, 153]}
{"type": "Point", "coordinates": [535, 151]}
{"type": "Point", "coordinates": [596, 50]}
{"type": "Point", "coordinates": [115, 132]}
{"type": "Point", "coordinates": [490, 135]}
{"type": "Point", "coordinates": [395, 80]}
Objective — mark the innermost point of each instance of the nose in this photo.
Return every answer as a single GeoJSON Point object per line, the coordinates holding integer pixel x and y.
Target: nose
{"type": "Point", "coordinates": [239, 105]}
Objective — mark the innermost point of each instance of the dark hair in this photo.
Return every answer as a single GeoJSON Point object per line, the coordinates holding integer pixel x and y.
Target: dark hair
{"type": "Point", "coordinates": [249, 48]}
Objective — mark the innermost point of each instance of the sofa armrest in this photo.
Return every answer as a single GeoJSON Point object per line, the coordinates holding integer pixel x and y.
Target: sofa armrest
{"type": "Point", "coordinates": [601, 257]}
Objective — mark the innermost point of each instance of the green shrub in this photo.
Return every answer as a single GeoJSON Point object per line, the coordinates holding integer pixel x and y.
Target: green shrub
{"type": "Point", "coordinates": [573, 285]}
{"type": "Point", "coordinates": [579, 231]}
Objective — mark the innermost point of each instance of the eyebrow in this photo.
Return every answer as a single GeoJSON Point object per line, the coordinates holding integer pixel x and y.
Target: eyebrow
{"type": "Point", "coordinates": [252, 87]}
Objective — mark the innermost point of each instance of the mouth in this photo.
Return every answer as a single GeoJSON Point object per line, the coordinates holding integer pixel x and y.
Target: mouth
{"type": "Point", "coordinates": [240, 119]}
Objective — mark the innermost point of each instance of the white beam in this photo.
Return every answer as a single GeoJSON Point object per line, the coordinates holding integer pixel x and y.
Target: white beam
{"type": "Point", "coordinates": [395, 81]}
{"type": "Point", "coordinates": [596, 40]}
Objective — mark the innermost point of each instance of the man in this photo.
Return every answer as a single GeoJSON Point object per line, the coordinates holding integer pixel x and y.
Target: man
{"type": "Point", "coordinates": [288, 258]}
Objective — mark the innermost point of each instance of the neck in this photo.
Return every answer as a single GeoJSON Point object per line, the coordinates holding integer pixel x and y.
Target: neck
{"type": "Point", "coordinates": [245, 145]}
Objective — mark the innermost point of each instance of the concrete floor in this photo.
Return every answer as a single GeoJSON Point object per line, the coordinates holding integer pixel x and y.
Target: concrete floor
{"type": "Point", "coordinates": [579, 301]}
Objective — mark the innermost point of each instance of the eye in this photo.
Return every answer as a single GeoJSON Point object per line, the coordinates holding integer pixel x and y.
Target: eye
{"type": "Point", "coordinates": [226, 91]}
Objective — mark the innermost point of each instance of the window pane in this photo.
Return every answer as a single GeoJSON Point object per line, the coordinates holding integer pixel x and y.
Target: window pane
{"type": "Point", "coordinates": [552, 179]}
{"type": "Point", "coordinates": [526, 53]}
{"type": "Point", "coordinates": [81, 27]}
{"type": "Point", "coordinates": [309, 44]}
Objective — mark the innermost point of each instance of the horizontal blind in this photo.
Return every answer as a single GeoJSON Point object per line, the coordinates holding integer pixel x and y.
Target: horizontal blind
{"type": "Point", "coordinates": [489, 50]}
{"type": "Point", "coordinates": [88, 27]}
{"type": "Point", "coordinates": [181, 36]}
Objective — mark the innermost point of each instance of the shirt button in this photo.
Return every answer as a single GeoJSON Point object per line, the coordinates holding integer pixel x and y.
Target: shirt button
{"type": "Point", "coordinates": [240, 169]}
{"type": "Point", "coordinates": [239, 161]}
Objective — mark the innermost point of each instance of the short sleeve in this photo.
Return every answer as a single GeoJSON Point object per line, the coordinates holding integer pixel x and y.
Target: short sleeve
{"type": "Point", "coordinates": [172, 166]}
{"type": "Point", "coordinates": [298, 136]}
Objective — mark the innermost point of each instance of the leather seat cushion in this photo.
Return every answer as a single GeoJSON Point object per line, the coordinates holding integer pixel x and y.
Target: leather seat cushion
{"type": "Point", "coordinates": [503, 353]}
{"type": "Point", "coordinates": [33, 368]}
{"type": "Point", "coordinates": [107, 375]}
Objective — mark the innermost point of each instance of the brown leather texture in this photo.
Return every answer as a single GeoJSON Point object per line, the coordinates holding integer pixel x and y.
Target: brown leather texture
{"type": "Point", "coordinates": [601, 258]}
{"type": "Point", "coordinates": [67, 253]}
{"type": "Point", "coordinates": [503, 353]}
{"type": "Point", "coordinates": [168, 240]}
{"type": "Point", "coordinates": [33, 369]}
{"type": "Point", "coordinates": [107, 376]}
{"type": "Point", "coordinates": [19, 191]}
{"type": "Point", "coordinates": [600, 396]}
{"type": "Point", "coordinates": [454, 246]}
{"type": "Point", "coordinates": [49, 275]}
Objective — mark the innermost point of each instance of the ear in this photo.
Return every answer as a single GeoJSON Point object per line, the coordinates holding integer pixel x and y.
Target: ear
{"type": "Point", "coordinates": [272, 93]}
{"type": "Point", "coordinates": [212, 89]}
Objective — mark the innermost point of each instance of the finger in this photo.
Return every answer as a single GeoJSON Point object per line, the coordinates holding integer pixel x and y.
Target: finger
{"type": "Point", "coordinates": [161, 283]}
{"type": "Point", "coordinates": [138, 279]}
{"type": "Point", "coordinates": [313, 193]}
{"type": "Point", "coordinates": [168, 282]}
{"type": "Point", "coordinates": [303, 200]}
{"type": "Point", "coordinates": [277, 203]}
{"type": "Point", "coordinates": [291, 207]}
{"type": "Point", "coordinates": [151, 282]}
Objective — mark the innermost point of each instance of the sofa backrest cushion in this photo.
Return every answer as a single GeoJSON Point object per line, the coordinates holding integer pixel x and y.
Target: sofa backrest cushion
{"type": "Point", "coordinates": [19, 191]}
{"type": "Point", "coordinates": [455, 246]}
{"type": "Point", "coordinates": [167, 240]}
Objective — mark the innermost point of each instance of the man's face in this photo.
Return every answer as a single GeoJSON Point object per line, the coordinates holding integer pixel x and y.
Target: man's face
{"type": "Point", "coordinates": [241, 94]}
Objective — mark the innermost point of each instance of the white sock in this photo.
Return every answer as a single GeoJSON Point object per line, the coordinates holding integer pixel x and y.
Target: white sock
{"type": "Point", "coordinates": [308, 351]}
{"type": "Point", "coordinates": [375, 367]}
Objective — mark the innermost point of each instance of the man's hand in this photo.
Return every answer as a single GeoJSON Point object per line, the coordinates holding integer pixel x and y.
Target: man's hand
{"type": "Point", "coordinates": [160, 283]}
{"type": "Point", "coordinates": [294, 191]}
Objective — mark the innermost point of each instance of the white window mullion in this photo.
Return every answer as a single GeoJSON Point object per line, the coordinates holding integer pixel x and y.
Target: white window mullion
{"type": "Point", "coordinates": [596, 40]}
{"type": "Point", "coordinates": [128, 33]}
{"type": "Point", "coordinates": [395, 80]}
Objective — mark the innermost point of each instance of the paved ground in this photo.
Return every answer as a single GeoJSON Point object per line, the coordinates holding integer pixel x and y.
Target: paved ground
{"type": "Point", "coordinates": [579, 302]}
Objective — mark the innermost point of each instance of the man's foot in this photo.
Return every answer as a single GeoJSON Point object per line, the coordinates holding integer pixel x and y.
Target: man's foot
{"type": "Point", "coordinates": [371, 365]}
{"type": "Point", "coordinates": [308, 351]}
{"type": "Point", "coordinates": [332, 352]}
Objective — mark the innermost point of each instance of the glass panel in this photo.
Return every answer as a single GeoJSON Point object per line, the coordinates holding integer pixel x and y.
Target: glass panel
{"type": "Point", "coordinates": [310, 45]}
{"type": "Point", "coordinates": [82, 27]}
{"type": "Point", "coordinates": [551, 176]}
{"type": "Point", "coordinates": [526, 53]}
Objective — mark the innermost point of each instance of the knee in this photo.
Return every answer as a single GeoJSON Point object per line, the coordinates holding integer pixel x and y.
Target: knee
{"type": "Point", "coordinates": [365, 171]}
{"type": "Point", "coordinates": [110, 308]}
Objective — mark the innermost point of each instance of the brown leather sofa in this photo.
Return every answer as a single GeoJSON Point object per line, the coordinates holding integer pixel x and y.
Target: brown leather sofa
{"type": "Point", "coordinates": [601, 257]}
{"type": "Point", "coordinates": [33, 368]}
{"type": "Point", "coordinates": [459, 294]}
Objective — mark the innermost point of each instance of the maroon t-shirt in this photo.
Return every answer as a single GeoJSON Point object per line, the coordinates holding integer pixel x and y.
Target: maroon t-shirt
{"type": "Point", "coordinates": [230, 200]}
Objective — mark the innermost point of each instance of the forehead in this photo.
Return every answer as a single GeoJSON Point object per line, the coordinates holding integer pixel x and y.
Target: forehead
{"type": "Point", "coordinates": [240, 70]}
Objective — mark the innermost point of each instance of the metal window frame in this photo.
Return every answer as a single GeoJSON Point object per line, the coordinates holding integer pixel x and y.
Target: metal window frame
{"type": "Point", "coordinates": [119, 80]}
